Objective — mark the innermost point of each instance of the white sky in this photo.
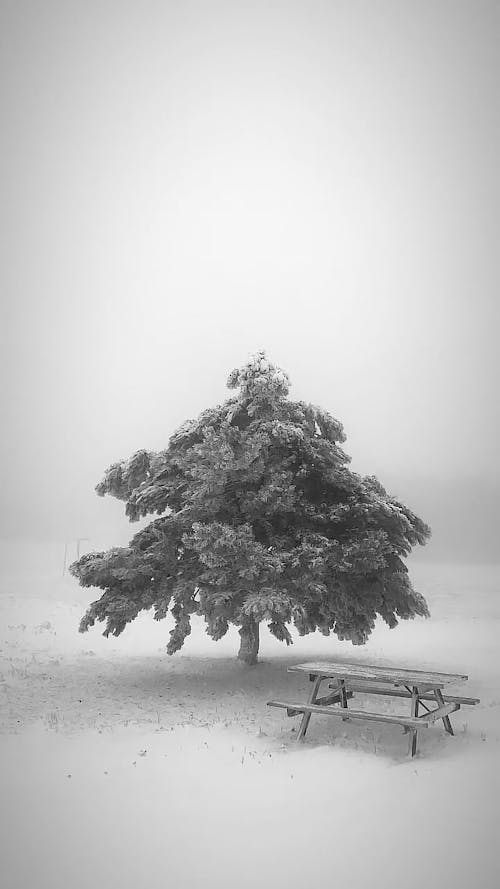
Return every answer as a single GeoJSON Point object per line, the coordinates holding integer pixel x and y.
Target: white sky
{"type": "Point", "coordinates": [184, 183]}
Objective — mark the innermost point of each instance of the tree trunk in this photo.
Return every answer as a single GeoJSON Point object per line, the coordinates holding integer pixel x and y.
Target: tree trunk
{"type": "Point", "coordinates": [249, 646]}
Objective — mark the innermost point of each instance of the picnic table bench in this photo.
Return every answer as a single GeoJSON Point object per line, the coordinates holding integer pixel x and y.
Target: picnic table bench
{"type": "Point", "coordinates": [419, 686]}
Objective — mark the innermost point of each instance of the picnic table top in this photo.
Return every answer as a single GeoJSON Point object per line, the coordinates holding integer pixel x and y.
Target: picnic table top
{"type": "Point", "coordinates": [393, 675]}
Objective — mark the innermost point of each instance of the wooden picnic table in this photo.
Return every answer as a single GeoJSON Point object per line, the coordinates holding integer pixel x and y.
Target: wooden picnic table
{"type": "Point", "coordinates": [420, 686]}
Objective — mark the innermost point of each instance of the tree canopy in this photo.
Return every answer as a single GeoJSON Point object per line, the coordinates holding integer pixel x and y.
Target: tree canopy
{"type": "Point", "coordinates": [260, 519]}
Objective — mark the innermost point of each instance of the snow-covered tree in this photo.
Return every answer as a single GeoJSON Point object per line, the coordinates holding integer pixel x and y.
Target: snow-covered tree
{"type": "Point", "coordinates": [260, 519]}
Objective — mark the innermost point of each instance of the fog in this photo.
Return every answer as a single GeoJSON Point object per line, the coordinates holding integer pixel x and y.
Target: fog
{"type": "Point", "coordinates": [184, 183]}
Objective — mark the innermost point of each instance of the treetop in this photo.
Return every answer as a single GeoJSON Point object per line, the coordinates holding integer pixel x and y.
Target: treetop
{"type": "Point", "coordinates": [260, 518]}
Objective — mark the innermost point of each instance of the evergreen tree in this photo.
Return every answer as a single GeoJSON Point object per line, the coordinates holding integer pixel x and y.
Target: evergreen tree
{"type": "Point", "coordinates": [260, 519]}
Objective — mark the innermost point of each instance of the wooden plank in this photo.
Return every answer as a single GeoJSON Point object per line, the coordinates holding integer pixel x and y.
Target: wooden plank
{"type": "Point", "coordinates": [400, 693]}
{"type": "Point", "coordinates": [446, 719]}
{"type": "Point", "coordinates": [412, 744]}
{"type": "Point", "coordinates": [327, 699]}
{"type": "Point", "coordinates": [343, 697]}
{"type": "Point", "coordinates": [411, 722]}
{"type": "Point", "coordinates": [334, 698]}
{"type": "Point", "coordinates": [307, 713]}
{"type": "Point", "coordinates": [394, 675]}
{"type": "Point", "coordinates": [441, 713]}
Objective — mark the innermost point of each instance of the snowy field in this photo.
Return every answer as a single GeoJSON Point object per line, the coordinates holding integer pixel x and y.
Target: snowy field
{"type": "Point", "coordinates": [122, 767]}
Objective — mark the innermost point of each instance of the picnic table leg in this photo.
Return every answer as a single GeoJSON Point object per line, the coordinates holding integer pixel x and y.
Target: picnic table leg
{"type": "Point", "coordinates": [412, 746]}
{"type": "Point", "coordinates": [343, 696]}
{"type": "Point", "coordinates": [311, 699]}
{"type": "Point", "coordinates": [446, 719]}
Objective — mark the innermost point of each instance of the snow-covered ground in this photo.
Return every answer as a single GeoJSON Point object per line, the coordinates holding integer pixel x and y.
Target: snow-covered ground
{"type": "Point", "coordinates": [122, 767]}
